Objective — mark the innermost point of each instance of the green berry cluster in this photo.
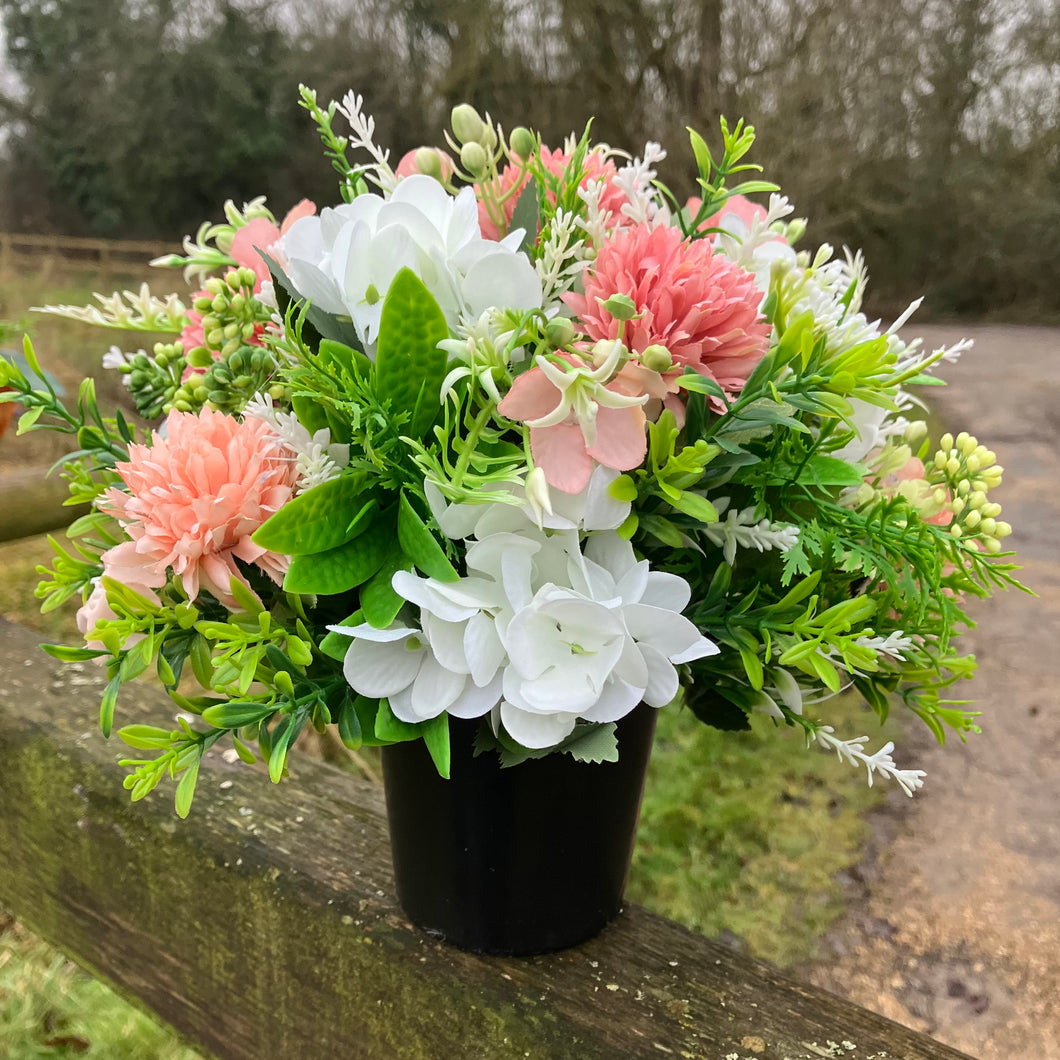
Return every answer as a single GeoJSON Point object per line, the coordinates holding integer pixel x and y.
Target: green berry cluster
{"type": "Point", "coordinates": [153, 379]}
{"type": "Point", "coordinates": [228, 384]}
{"type": "Point", "coordinates": [968, 470]}
{"type": "Point", "coordinates": [231, 316]}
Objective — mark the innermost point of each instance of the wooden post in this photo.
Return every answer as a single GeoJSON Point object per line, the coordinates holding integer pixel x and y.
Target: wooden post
{"type": "Point", "coordinates": [266, 926]}
{"type": "Point", "coordinates": [32, 502]}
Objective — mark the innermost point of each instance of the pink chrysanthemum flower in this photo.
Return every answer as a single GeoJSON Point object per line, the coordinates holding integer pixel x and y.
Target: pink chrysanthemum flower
{"type": "Point", "coordinates": [195, 497]}
{"type": "Point", "coordinates": [702, 307]}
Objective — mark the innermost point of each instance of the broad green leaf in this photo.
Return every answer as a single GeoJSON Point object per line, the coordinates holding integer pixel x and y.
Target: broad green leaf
{"type": "Point", "coordinates": [420, 546]}
{"type": "Point", "coordinates": [526, 214]}
{"type": "Point", "coordinates": [335, 645]}
{"type": "Point", "coordinates": [391, 729]}
{"type": "Point", "coordinates": [340, 569]}
{"type": "Point", "coordinates": [236, 714]}
{"type": "Point", "coordinates": [409, 366]}
{"type": "Point", "coordinates": [436, 736]}
{"type": "Point", "coordinates": [316, 520]}
{"type": "Point", "coordinates": [379, 601]}
{"type": "Point", "coordinates": [282, 736]}
{"type": "Point", "coordinates": [352, 359]}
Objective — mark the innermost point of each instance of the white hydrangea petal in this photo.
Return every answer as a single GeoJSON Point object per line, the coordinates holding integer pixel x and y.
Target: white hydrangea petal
{"type": "Point", "coordinates": [367, 632]}
{"type": "Point", "coordinates": [447, 642]}
{"type": "Point", "coordinates": [474, 702]}
{"type": "Point", "coordinates": [483, 649]}
{"type": "Point", "coordinates": [536, 730]}
{"type": "Point", "coordinates": [668, 591]}
{"type": "Point", "coordinates": [426, 595]}
{"type": "Point", "coordinates": [616, 701]}
{"type": "Point", "coordinates": [381, 669]}
{"type": "Point", "coordinates": [502, 279]}
{"type": "Point", "coordinates": [435, 688]}
{"type": "Point", "coordinates": [662, 677]}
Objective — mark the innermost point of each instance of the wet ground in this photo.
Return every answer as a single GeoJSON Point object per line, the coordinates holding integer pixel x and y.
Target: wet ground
{"type": "Point", "coordinates": [954, 926]}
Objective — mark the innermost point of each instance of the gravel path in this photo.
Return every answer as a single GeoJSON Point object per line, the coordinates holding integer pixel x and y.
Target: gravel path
{"type": "Point", "coordinates": [955, 929]}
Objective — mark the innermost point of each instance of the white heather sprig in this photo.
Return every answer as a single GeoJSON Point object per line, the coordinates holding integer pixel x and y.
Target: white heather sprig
{"type": "Point", "coordinates": [894, 644]}
{"type": "Point", "coordinates": [909, 780]}
{"type": "Point", "coordinates": [362, 127]}
{"type": "Point", "coordinates": [740, 529]}
{"type": "Point", "coordinates": [317, 458]}
{"type": "Point", "coordinates": [597, 220]}
{"type": "Point", "coordinates": [562, 256]}
{"type": "Point", "coordinates": [635, 180]}
{"type": "Point", "coordinates": [140, 311]}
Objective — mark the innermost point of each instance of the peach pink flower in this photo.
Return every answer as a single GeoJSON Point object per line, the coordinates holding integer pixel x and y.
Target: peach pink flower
{"type": "Point", "coordinates": [260, 234]}
{"type": "Point", "coordinates": [609, 431]}
{"type": "Point", "coordinates": [702, 307]}
{"type": "Point", "coordinates": [195, 497]}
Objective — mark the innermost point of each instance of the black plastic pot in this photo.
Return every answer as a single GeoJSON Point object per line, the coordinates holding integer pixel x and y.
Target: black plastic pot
{"type": "Point", "coordinates": [514, 861]}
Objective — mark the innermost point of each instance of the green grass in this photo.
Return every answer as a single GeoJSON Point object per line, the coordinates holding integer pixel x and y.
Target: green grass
{"type": "Point", "coordinates": [741, 833]}
{"type": "Point", "coordinates": [744, 833]}
{"type": "Point", "coordinates": [50, 1010]}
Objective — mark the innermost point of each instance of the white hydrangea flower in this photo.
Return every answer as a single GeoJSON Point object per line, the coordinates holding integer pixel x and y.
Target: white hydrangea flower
{"type": "Point", "coordinates": [592, 509]}
{"type": "Point", "coordinates": [346, 258]}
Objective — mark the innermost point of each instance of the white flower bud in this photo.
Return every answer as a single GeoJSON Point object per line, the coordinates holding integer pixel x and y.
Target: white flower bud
{"type": "Point", "coordinates": [988, 526]}
{"type": "Point", "coordinates": [971, 520]}
{"type": "Point", "coordinates": [962, 440]}
{"type": "Point", "coordinates": [977, 499]}
{"type": "Point", "coordinates": [972, 463]}
{"type": "Point", "coordinates": [991, 510]}
{"type": "Point", "coordinates": [953, 465]}
{"type": "Point", "coordinates": [991, 544]}
{"type": "Point", "coordinates": [1002, 530]}
{"type": "Point", "coordinates": [946, 441]}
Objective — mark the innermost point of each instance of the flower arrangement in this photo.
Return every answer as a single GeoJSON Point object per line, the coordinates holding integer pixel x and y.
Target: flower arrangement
{"type": "Point", "coordinates": [513, 434]}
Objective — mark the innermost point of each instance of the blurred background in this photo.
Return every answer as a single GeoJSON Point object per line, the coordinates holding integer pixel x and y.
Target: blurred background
{"type": "Point", "coordinates": [925, 132]}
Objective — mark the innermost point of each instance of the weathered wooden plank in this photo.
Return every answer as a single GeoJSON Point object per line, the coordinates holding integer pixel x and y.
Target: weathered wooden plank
{"type": "Point", "coordinates": [266, 926]}
{"type": "Point", "coordinates": [31, 503]}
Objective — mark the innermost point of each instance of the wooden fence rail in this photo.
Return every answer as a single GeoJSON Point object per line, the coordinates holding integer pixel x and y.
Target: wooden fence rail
{"type": "Point", "coordinates": [266, 925]}
{"type": "Point", "coordinates": [105, 257]}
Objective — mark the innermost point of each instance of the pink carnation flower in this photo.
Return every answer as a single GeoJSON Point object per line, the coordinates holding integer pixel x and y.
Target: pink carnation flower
{"type": "Point", "coordinates": [702, 307]}
{"type": "Point", "coordinates": [195, 497]}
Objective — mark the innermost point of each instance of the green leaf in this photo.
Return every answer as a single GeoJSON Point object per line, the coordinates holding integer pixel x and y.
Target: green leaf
{"type": "Point", "coordinates": [282, 737]}
{"type": "Point", "coordinates": [409, 366]}
{"type": "Point", "coordinates": [696, 506]}
{"type": "Point", "coordinates": [145, 737]}
{"type": "Point", "coordinates": [699, 148]}
{"type": "Point", "coordinates": [436, 736]}
{"type": "Point", "coordinates": [108, 703]}
{"type": "Point", "coordinates": [335, 645]}
{"type": "Point", "coordinates": [352, 360]}
{"type": "Point", "coordinates": [380, 603]}
{"type": "Point", "coordinates": [391, 729]}
{"type": "Point", "coordinates": [349, 725]}
{"type": "Point", "coordinates": [237, 713]}
{"type": "Point", "coordinates": [64, 653]}
{"type": "Point", "coordinates": [830, 471]}
{"type": "Point", "coordinates": [598, 744]}
{"type": "Point", "coordinates": [186, 789]}
{"type": "Point", "coordinates": [340, 569]}
{"type": "Point", "coordinates": [316, 520]}
{"type": "Point", "coordinates": [527, 214]}
{"type": "Point", "coordinates": [420, 546]}
{"type": "Point", "coordinates": [28, 419]}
